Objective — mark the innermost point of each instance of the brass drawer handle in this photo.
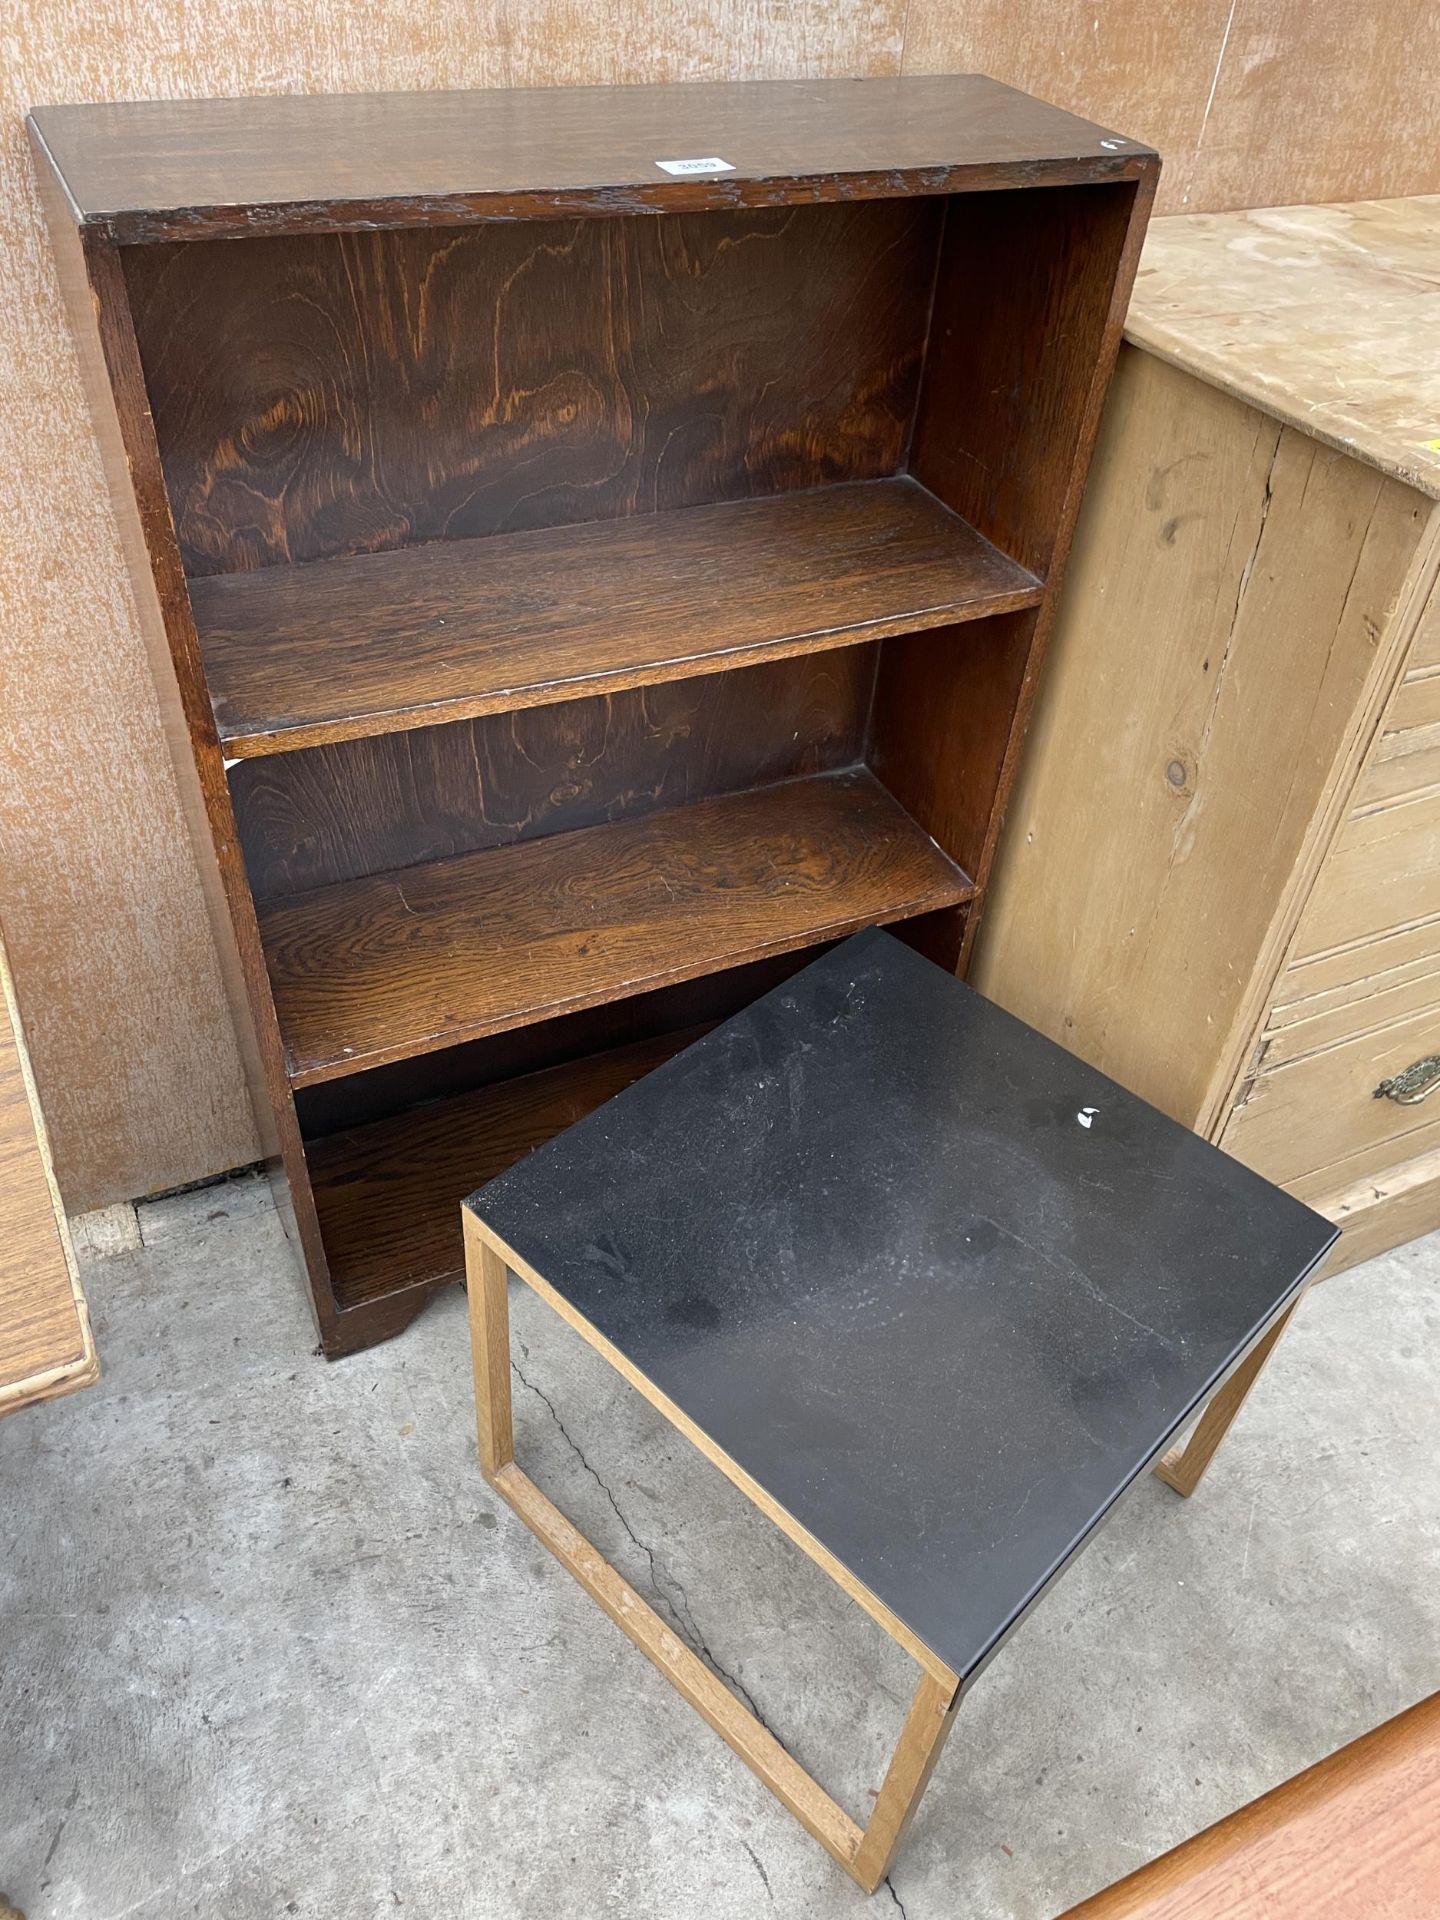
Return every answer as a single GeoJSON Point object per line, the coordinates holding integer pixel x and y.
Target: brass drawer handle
{"type": "Point", "coordinates": [1411, 1087]}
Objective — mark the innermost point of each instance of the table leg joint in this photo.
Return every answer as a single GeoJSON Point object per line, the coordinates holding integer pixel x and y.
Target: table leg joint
{"type": "Point", "coordinates": [1183, 1468]}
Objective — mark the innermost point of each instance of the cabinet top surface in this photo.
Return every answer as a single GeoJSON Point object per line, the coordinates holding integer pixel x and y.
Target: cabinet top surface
{"type": "Point", "coordinates": [938, 1287]}
{"type": "Point", "coordinates": [171, 169]}
{"type": "Point", "coordinates": [1325, 317]}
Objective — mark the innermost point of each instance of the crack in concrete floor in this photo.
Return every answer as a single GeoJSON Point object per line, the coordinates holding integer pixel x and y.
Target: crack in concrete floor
{"type": "Point", "coordinates": [681, 1615]}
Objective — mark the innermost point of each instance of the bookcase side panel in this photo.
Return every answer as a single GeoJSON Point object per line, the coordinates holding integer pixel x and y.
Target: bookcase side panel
{"type": "Point", "coordinates": [1029, 303]}
{"type": "Point", "coordinates": [98, 307]}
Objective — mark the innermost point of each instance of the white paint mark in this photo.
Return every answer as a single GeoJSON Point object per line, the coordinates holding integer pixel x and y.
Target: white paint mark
{"type": "Point", "coordinates": [1087, 1116]}
{"type": "Point", "coordinates": [1215, 77]}
{"type": "Point", "coordinates": [711, 165]}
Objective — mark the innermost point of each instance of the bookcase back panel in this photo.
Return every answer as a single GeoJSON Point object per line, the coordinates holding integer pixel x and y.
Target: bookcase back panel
{"type": "Point", "coordinates": [333, 813]}
{"type": "Point", "coordinates": [941, 726]}
{"type": "Point", "coordinates": [344, 393]}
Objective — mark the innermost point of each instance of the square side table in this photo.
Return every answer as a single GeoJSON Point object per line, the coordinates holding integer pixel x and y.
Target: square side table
{"type": "Point", "coordinates": [941, 1297]}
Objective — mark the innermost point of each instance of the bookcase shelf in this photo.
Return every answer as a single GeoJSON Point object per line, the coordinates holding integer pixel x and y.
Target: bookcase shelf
{"type": "Point", "coordinates": [575, 593]}
{"type": "Point", "coordinates": [373, 643]}
{"type": "Point", "coordinates": [396, 964]}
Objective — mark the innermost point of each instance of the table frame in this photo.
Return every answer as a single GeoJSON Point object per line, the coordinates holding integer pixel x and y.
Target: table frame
{"type": "Point", "coordinates": [865, 1853]}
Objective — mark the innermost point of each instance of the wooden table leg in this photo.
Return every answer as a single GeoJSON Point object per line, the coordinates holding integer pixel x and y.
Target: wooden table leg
{"type": "Point", "coordinates": [866, 1853]}
{"type": "Point", "coordinates": [922, 1740]}
{"type": "Point", "coordinates": [487, 1283]}
{"type": "Point", "coordinates": [1183, 1468]}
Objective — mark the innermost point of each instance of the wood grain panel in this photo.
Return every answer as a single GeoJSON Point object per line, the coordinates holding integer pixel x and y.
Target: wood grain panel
{"type": "Point", "coordinates": [347, 393]}
{"type": "Point", "coordinates": [1348, 976]}
{"type": "Point", "coordinates": [1020, 314]}
{"type": "Point", "coordinates": [1147, 69]}
{"type": "Point", "coordinates": [1382, 1210]}
{"type": "Point", "coordinates": [105, 900]}
{"type": "Point", "coordinates": [1023, 338]}
{"type": "Point", "coordinates": [381, 1093]}
{"type": "Point", "coordinates": [939, 731]}
{"type": "Point", "coordinates": [1270, 565]}
{"type": "Point", "coordinates": [104, 912]}
{"type": "Point", "coordinates": [1376, 999]}
{"type": "Point", "coordinates": [1318, 100]}
{"type": "Point", "coordinates": [343, 649]}
{"type": "Point", "coordinates": [1253, 103]}
{"type": "Point", "coordinates": [152, 171]}
{"type": "Point", "coordinates": [1359, 1834]}
{"type": "Point", "coordinates": [1405, 759]}
{"type": "Point", "coordinates": [46, 1347]}
{"type": "Point", "coordinates": [309, 819]}
{"type": "Point", "coordinates": [1322, 317]}
{"type": "Point", "coordinates": [400, 963]}
{"type": "Point", "coordinates": [1385, 982]}
{"type": "Point", "coordinates": [1382, 872]}
{"type": "Point", "coordinates": [1296, 1121]}
{"type": "Point", "coordinates": [1424, 654]}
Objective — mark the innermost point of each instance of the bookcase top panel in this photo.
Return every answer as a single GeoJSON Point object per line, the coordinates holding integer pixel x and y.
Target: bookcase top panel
{"type": "Point", "coordinates": [178, 169]}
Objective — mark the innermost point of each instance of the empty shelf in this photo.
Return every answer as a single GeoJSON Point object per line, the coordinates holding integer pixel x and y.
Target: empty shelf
{"type": "Point", "coordinates": [339, 649]}
{"type": "Point", "coordinates": [400, 963]}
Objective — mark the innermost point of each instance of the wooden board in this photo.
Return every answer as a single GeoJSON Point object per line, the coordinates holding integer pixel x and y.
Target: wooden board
{"type": "Point", "coordinates": [382, 968]}
{"type": "Point", "coordinates": [1348, 977]}
{"type": "Point", "coordinates": [305, 656]}
{"type": "Point", "coordinates": [1296, 1122]}
{"type": "Point", "coordinates": [1270, 565]}
{"type": "Point", "coordinates": [1359, 1834]}
{"type": "Point", "coordinates": [183, 169]}
{"type": "Point", "coordinates": [1253, 103]}
{"type": "Point", "coordinates": [1382, 872]}
{"type": "Point", "coordinates": [991, 441]}
{"type": "Point", "coordinates": [1383, 1210]}
{"type": "Point", "coordinates": [388, 1194]}
{"type": "Point", "coordinates": [46, 1347]}
{"type": "Point", "coordinates": [331, 394]}
{"type": "Point", "coordinates": [309, 819]}
{"type": "Point", "coordinates": [1377, 999]}
{"type": "Point", "coordinates": [1405, 759]}
{"type": "Point", "coordinates": [1340, 343]}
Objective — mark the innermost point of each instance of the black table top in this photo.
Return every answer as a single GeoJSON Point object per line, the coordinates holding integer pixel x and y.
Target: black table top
{"type": "Point", "coordinates": [942, 1290]}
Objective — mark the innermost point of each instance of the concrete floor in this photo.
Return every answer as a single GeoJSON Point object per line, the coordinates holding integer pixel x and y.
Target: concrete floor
{"type": "Point", "coordinates": [269, 1646]}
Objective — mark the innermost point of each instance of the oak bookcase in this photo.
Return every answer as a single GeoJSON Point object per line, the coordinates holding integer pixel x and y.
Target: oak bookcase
{"type": "Point", "coordinates": [578, 589]}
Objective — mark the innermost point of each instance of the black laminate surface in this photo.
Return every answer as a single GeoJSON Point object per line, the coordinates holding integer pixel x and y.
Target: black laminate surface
{"type": "Point", "coordinates": [939, 1287]}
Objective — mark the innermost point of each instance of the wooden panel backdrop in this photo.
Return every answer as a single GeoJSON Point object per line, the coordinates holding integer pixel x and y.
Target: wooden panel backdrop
{"type": "Point", "coordinates": [1251, 102]}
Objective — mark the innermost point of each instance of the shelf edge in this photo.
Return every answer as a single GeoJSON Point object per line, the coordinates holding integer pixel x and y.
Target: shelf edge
{"type": "Point", "coordinates": [253, 744]}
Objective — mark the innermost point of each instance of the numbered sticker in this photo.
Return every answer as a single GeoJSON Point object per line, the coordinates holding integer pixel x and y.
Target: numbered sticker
{"type": "Point", "coordinates": [695, 166]}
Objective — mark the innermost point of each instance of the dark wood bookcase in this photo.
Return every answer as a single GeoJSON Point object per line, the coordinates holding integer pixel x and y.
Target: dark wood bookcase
{"type": "Point", "coordinates": [577, 590]}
